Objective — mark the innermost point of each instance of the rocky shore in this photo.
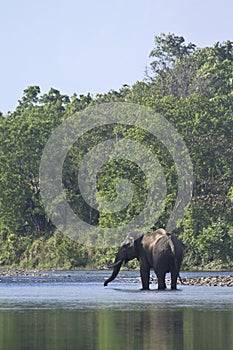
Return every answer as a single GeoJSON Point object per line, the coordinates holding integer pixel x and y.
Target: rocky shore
{"type": "Point", "coordinates": [213, 281]}
{"type": "Point", "coordinates": [19, 272]}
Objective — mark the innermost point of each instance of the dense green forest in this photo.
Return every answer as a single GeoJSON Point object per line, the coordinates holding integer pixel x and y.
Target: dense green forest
{"type": "Point", "coordinates": [193, 89]}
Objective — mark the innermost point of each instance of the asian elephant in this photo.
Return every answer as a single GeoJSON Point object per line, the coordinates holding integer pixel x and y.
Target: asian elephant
{"type": "Point", "coordinates": [157, 250]}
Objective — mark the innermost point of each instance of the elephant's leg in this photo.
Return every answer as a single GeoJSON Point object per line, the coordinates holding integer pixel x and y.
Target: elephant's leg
{"type": "Point", "coordinates": [174, 276]}
{"type": "Point", "coordinates": [145, 274]}
{"type": "Point", "coordinates": [161, 280]}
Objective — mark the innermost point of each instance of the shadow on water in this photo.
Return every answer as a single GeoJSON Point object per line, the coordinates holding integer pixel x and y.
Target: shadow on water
{"type": "Point", "coordinates": [125, 290]}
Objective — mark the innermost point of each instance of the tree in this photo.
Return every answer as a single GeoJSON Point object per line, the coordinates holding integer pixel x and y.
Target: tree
{"type": "Point", "coordinates": [168, 49]}
{"type": "Point", "coordinates": [192, 88]}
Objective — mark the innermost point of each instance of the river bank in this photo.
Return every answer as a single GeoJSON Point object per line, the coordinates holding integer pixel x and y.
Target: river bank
{"type": "Point", "coordinates": [213, 280]}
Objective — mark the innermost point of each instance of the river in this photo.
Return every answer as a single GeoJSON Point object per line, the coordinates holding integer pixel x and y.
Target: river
{"type": "Point", "coordinates": [73, 310]}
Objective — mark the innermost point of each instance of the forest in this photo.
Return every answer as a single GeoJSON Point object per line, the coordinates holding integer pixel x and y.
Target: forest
{"type": "Point", "coordinates": [193, 89]}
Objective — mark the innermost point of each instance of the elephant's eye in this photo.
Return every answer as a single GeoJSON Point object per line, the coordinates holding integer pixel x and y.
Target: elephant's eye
{"type": "Point", "coordinates": [127, 245]}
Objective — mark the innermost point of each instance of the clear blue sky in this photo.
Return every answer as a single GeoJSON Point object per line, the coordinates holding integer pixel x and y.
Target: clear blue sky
{"type": "Point", "coordinates": [95, 45]}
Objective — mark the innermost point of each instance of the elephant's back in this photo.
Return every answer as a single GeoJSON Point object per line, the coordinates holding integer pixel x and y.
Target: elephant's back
{"type": "Point", "coordinates": [157, 240]}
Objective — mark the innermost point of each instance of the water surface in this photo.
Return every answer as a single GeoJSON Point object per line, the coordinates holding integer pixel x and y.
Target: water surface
{"type": "Point", "coordinates": [73, 310]}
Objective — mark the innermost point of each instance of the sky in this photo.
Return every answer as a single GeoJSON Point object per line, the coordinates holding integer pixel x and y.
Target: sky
{"type": "Point", "coordinates": [95, 45]}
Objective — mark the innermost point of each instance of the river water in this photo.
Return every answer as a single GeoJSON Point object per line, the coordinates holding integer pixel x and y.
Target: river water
{"type": "Point", "coordinates": [73, 310]}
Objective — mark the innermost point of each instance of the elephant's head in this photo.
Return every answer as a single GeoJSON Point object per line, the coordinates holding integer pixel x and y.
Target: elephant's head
{"type": "Point", "coordinates": [126, 252]}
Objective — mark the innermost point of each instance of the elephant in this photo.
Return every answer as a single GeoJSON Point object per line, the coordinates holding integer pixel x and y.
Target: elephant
{"type": "Point", "coordinates": [158, 250]}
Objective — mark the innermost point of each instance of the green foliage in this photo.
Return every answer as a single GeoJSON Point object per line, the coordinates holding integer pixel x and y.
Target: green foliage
{"type": "Point", "coordinates": [215, 244]}
{"type": "Point", "coordinates": [168, 49]}
{"type": "Point", "coordinates": [207, 245]}
{"type": "Point", "coordinates": [192, 88]}
{"type": "Point", "coordinates": [57, 251]}
{"type": "Point", "coordinates": [12, 246]}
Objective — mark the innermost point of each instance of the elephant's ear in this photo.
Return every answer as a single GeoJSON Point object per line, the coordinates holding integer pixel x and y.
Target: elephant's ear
{"type": "Point", "coordinates": [131, 241]}
{"type": "Point", "coordinates": [131, 238]}
{"type": "Point", "coordinates": [128, 242]}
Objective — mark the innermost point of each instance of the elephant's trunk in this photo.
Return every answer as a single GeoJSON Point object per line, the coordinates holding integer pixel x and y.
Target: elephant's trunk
{"type": "Point", "coordinates": [117, 266]}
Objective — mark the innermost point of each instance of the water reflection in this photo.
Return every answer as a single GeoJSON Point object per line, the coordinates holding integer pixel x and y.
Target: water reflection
{"type": "Point", "coordinates": [104, 329]}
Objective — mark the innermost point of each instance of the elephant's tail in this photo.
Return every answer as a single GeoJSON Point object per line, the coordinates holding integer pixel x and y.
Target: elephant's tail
{"type": "Point", "coordinates": [175, 259]}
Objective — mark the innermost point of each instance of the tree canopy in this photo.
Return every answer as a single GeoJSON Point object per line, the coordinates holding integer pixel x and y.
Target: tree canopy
{"type": "Point", "coordinates": [193, 89]}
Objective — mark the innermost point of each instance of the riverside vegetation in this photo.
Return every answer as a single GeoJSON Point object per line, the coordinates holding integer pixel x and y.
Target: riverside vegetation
{"type": "Point", "coordinates": [193, 89]}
